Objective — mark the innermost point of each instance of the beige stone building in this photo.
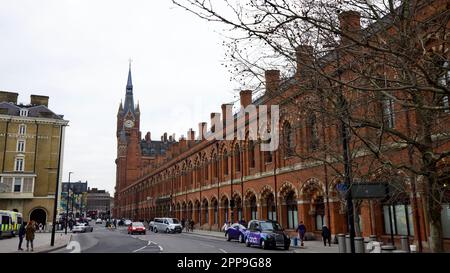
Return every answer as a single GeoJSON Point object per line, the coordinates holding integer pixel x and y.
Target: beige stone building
{"type": "Point", "coordinates": [29, 151]}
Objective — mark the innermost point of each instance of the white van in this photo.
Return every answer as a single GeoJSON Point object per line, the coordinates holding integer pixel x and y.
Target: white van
{"type": "Point", "coordinates": [167, 225]}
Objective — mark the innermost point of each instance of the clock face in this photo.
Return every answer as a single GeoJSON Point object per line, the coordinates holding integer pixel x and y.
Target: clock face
{"type": "Point", "coordinates": [129, 123]}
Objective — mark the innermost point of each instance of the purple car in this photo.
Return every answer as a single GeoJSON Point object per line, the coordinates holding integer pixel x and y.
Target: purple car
{"type": "Point", "coordinates": [236, 232]}
{"type": "Point", "coordinates": [266, 234]}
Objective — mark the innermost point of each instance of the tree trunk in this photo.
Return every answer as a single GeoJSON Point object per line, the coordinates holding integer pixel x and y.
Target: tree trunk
{"type": "Point", "coordinates": [434, 210]}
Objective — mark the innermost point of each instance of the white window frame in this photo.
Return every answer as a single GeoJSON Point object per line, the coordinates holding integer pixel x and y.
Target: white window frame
{"type": "Point", "coordinates": [19, 141]}
{"type": "Point", "coordinates": [16, 161]}
{"type": "Point", "coordinates": [14, 184]}
{"type": "Point", "coordinates": [22, 129]}
{"type": "Point", "coordinates": [24, 112]}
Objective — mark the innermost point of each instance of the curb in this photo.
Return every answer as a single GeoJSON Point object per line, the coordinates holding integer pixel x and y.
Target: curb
{"type": "Point", "coordinates": [54, 248]}
{"type": "Point", "coordinates": [200, 234]}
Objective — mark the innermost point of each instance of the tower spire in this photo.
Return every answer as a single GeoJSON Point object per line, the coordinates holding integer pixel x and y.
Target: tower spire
{"type": "Point", "coordinates": [129, 100]}
{"type": "Point", "coordinates": [129, 82]}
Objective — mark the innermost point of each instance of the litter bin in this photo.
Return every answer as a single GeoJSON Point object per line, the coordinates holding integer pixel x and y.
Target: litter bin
{"type": "Point", "coordinates": [348, 246]}
{"type": "Point", "coordinates": [359, 245]}
{"type": "Point", "coordinates": [341, 243]}
{"type": "Point", "coordinates": [405, 243]}
{"type": "Point", "coordinates": [387, 249]}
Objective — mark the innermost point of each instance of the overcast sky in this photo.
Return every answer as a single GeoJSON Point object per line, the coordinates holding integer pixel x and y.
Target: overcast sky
{"type": "Point", "coordinates": [76, 52]}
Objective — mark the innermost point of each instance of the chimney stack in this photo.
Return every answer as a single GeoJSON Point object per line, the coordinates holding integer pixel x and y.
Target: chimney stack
{"type": "Point", "coordinates": [202, 130]}
{"type": "Point", "coordinates": [245, 97]}
{"type": "Point", "coordinates": [191, 135]}
{"type": "Point", "coordinates": [272, 78]}
{"type": "Point", "coordinates": [304, 54]}
{"type": "Point", "coordinates": [227, 118]}
{"type": "Point", "coordinates": [6, 96]}
{"type": "Point", "coordinates": [165, 137]}
{"type": "Point", "coordinates": [148, 137]}
{"type": "Point", "coordinates": [39, 100]}
{"type": "Point", "coordinates": [214, 116]}
{"type": "Point", "coordinates": [350, 25]}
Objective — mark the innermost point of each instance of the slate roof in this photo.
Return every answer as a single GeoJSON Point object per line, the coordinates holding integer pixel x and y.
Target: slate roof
{"type": "Point", "coordinates": [38, 111]}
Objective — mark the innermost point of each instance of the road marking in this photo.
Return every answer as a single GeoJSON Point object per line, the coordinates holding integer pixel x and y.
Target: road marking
{"type": "Point", "coordinates": [160, 247]}
{"type": "Point", "coordinates": [222, 250]}
{"type": "Point", "coordinates": [140, 249]}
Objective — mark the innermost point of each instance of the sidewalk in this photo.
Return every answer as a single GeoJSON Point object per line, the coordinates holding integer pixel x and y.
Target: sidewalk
{"type": "Point", "coordinates": [41, 243]}
{"type": "Point", "coordinates": [309, 246]}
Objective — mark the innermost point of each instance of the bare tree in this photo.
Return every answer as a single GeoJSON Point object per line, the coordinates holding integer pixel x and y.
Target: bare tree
{"type": "Point", "coordinates": [381, 70]}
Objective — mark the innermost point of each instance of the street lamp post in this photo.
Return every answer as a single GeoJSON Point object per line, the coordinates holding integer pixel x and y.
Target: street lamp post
{"type": "Point", "coordinates": [55, 205]}
{"type": "Point", "coordinates": [67, 204]}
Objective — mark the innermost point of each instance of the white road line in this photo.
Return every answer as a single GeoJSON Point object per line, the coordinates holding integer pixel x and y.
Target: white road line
{"type": "Point", "coordinates": [160, 247]}
{"type": "Point", "coordinates": [222, 250]}
{"type": "Point", "coordinates": [140, 249]}
{"type": "Point", "coordinates": [206, 245]}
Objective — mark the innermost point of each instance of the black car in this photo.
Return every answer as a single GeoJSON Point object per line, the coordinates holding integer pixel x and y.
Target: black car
{"type": "Point", "coordinates": [266, 234]}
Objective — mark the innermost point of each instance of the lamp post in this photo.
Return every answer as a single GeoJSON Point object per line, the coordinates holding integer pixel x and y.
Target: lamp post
{"type": "Point", "coordinates": [67, 204]}
{"type": "Point", "coordinates": [55, 205]}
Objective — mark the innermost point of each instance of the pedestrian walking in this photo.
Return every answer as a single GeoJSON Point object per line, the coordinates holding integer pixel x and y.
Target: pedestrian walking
{"type": "Point", "coordinates": [326, 235]}
{"type": "Point", "coordinates": [301, 229]}
{"type": "Point", "coordinates": [29, 234]}
{"type": "Point", "coordinates": [225, 226]}
{"type": "Point", "coordinates": [22, 231]}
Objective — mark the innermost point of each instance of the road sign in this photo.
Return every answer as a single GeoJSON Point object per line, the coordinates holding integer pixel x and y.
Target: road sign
{"type": "Point", "coordinates": [342, 187]}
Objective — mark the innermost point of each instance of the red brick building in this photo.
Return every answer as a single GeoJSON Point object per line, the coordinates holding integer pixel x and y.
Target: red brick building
{"type": "Point", "coordinates": [213, 181]}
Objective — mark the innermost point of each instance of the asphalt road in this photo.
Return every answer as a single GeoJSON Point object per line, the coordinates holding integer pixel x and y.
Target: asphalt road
{"type": "Point", "coordinates": [102, 240]}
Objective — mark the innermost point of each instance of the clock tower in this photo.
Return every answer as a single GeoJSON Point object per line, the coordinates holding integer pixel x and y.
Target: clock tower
{"type": "Point", "coordinates": [128, 139]}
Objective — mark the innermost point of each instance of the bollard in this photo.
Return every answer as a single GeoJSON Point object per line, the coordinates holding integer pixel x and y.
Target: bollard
{"type": "Point", "coordinates": [405, 243]}
{"type": "Point", "coordinates": [359, 245]}
{"type": "Point", "coordinates": [348, 246]}
{"type": "Point", "coordinates": [341, 243]}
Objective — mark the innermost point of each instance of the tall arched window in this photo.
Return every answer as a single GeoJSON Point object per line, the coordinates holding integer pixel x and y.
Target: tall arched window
{"type": "Point", "coordinates": [313, 132]}
{"type": "Point", "coordinates": [289, 139]}
{"type": "Point", "coordinates": [291, 208]}
{"type": "Point", "coordinates": [253, 208]}
{"type": "Point", "coordinates": [271, 209]}
{"type": "Point", "coordinates": [237, 159]}
{"type": "Point", "coordinates": [251, 154]}
{"type": "Point", "coordinates": [225, 163]}
{"type": "Point", "coordinates": [216, 212]}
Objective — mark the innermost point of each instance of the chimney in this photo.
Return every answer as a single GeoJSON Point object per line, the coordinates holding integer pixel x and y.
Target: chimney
{"type": "Point", "coordinates": [183, 144]}
{"type": "Point", "coordinates": [245, 97]}
{"type": "Point", "coordinates": [39, 100]}
{"type": "Point", "coordinates": [350, 25]}
{"type": "Point", "coordinates": [202, 130]}
{"type": "Point", "coordinates": [165, 137]}
{"type": "Point", "coordinates": [170, 138]}
{"type": "Point", "coordinates": [214, 116]}
{"type": "Point", "coordinates": [191, 135]}
{"type": "Point", "coordinates": [6, 96]}
{"type": "Point", "coordinates": [227, 119]}
{"type": "Point", "coordinates": [272, 78]}
{"type": "Point", "coordinates": [304, 54]}
{"type": "Point", "coordinates": [148, 137]}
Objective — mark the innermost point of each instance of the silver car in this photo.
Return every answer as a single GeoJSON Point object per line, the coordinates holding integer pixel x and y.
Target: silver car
{"type": "Point", "coordinates": [167, 225]}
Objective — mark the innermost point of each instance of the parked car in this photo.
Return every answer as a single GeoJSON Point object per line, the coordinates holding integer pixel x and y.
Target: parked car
{"type": "Point", "coordinates": [167, 225]}
{"type": "Point", "coordinates": [88, 218]}
{"type": "Point", "coordinates": [150, 225]}
{"type": "Point", "coordinates": [81, 228]}
{"type": "Point", "coordinates": [236, 232]}
{"type": "Point", "coordinates": [266, 234]}
{"type": "Point", "coordinates": [99, 221]}
{"type": "Point", "coordinates": [136, 227]}
{"type": "Point", "coordinates": [127, 222]}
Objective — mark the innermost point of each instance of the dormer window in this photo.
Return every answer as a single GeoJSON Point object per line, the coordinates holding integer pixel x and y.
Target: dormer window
{"type": "Point", "coordinates": [24, 112]}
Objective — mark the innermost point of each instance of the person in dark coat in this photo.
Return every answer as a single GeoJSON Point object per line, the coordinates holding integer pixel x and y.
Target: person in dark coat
{"type": "Point", "coordinates": [326, 235]}
{"type": "Point", "coordinates": [29, 234]}
{"type": "Point", "coordinates": [22, 231]}
{"type": "Point", "coordinates": [301, 229]}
